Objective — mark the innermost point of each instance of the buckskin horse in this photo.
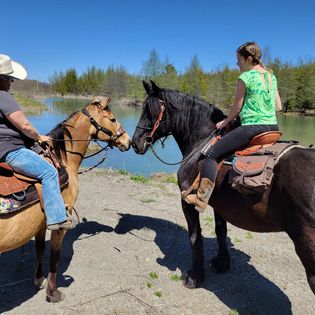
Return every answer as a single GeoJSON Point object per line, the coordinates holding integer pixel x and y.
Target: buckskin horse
{"type": "Point", "coordinates": [289, 205]}
{"type": "Point", "coordinates": [70, 142]}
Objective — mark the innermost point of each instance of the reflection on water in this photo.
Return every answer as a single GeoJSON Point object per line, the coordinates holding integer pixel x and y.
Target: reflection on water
{"type": "Point", "coordinates": [293, 127]}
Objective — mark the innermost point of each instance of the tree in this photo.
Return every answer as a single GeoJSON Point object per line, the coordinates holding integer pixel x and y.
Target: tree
{"type": "Point", "coordinates": [152, 67]}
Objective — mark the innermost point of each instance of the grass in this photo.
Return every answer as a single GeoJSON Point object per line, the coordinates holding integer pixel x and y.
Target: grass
{"type": "Point", "coordinates": [29, 105]}
{"type": "Point", "coordinates": [249, 236]}
{"type": "Point", "coordinates": [146, 200]}
{"type": "Point", "coordinates": [139, 179]}
{"type": "Point", "coordinates": [149, 284]}
{"type": "Point", "coordinates": [233, 312]}
{"type": "Point", "coordinates": [175, 277]}
{"type": "Point", "coordinates": [153, 275]}
{"type": "Point", "coordinates": [122, 172]}
{"type": "Point", "coordinates": [165, 178]}
{"type": "Point", "coordinates": [208, 220]}
{"type": "Point", "coordinates": [158, 293]}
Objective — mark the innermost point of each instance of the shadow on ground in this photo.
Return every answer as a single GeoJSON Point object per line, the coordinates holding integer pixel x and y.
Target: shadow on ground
{"type": "Point", "coordinates": [17, 266]}
{"type": "Point", "coordinates": [242, 288]}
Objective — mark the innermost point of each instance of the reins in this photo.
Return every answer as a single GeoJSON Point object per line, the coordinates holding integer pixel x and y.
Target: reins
{"type": "Point", "coordinates": [99, 128]}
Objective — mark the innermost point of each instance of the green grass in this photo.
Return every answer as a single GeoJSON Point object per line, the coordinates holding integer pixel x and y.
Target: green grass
{"type": "Point", "coordinates": [122, 172]}
{"type": "Point", "coordinates": [149, 285]}
{"type": "Point", "coordinates": [158, 293]}
{"type": "Point", "coordinates": [175, 277]}
{"type": "Point", "coordinates": [146, 200]}
{"type": "Point", "coordinates": [29, 105]}
{"type": "Point", "coordinates": [139, 179]}
{"type": "Point", "coordinates": [153, 275]}
{"type": "Point", "coordinates": [249, 236]}
{"type": "Point", "coordinates": [233, 312]}
{"type": "Point", "coordinates": [208, 220]}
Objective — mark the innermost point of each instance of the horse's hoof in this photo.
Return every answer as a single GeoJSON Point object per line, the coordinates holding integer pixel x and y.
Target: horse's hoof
{"type": "Point", "coordinates": [219, 265]}
{"type": "Point", "coordinates": [40, 283]}
{"type": "Point", "coordinates": [189, 282]}
{"type": "Point", "coordinates": [55, 296]}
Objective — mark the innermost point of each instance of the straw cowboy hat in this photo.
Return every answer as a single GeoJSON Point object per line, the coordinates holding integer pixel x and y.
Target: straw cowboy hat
{"type": "Point", "coordinates": [11, 68]}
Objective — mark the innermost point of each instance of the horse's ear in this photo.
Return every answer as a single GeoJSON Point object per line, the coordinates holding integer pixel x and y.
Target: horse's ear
{"type": "Point", "coordinates": [96, 99]}
{"type": "Point", "coordinates": [147, 87]}
{"type": "Point", "coordinates": [105, 101]}
{"type": "Point", "coordinates": [156, 90]}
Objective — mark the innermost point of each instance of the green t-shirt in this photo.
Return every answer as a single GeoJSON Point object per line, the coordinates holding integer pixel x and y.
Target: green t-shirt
{"type": "Point", "coordinates": [259, 107]}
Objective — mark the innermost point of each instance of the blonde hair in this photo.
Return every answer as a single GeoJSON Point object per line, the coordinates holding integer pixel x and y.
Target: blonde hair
{"type": "Point", "coordinates": [251, 49]}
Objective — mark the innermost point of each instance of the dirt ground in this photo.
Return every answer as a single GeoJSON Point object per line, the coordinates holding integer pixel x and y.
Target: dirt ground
{"type": "Point", "coordinates": [127, 254]}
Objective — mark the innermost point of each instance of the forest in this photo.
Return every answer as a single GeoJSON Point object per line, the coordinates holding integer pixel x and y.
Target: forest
{"type": "Point", "coordinates": [296, 82]}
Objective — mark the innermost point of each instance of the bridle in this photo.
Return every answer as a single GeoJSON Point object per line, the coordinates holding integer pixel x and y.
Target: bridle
{"type": "Point", "coordinates": [149, 139]}
{"type": "Point", "coordinates": [113, 136]}
{"type": "Point", "coordinates": [158, 122]}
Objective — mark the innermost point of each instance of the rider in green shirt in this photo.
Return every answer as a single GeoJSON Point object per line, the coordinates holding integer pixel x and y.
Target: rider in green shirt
{"type": "Point", "coordinates": [256, 101]}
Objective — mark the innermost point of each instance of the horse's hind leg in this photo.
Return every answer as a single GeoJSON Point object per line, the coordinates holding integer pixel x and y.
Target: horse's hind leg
{"type": "Point", "coordinates": [39, 279]}
{"type": "Point", "coordinates": [305, 248]}
{"type": "Point", "coordinates": [194, 276]}
{"type": "Point", "coordinates": [52, 293]}
{"type": "Point", "coordinates": [221, 263]}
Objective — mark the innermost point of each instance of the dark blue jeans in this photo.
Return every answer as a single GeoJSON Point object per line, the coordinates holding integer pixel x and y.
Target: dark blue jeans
{"type": "Point", "coordinates": [236, 139]}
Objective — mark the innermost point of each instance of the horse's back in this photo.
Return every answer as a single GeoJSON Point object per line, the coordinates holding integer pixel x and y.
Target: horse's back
{"type": "Point", "coordinates": [18, 228]}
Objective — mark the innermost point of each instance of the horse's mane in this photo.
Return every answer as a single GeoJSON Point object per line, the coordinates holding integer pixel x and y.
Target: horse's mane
{"type": "Point", "coordinates": [58, 135]}
{"type": "Point", "coordinates": [185, 106]}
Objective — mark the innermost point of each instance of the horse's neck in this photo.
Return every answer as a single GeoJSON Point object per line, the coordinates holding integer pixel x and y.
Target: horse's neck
{"type": "Point", "coordinates": [76, 150]}
{"type": "Point", "coordinates": [189, 130]}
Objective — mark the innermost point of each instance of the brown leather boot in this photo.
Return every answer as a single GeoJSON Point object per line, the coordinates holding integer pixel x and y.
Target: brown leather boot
{"type": "Point", "coordinates": [200, 200]}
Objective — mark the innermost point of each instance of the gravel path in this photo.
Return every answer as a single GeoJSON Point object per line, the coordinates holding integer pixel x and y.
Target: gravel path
{"type": "Point", "coordinates": [127, 255]}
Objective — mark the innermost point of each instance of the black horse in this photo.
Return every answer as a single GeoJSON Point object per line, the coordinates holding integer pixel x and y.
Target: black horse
{"type": "Point", "coordinates": [288, 206]}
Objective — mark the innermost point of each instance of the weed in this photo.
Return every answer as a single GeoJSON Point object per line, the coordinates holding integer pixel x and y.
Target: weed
{"type": "Point", "coordinates": [149, 285]}
{"type": "Point", "coordinates": [139, 179]}
{"type": "Point", "coordinates": [208, 220]}
{"type": "Point", "coordinates": [153, 275]}
{"type": "Point", "coordinates": [158, 293]}
{"type": "Point", "coordinates": [122, 172]}
{"type": "Point", "coordinates": [146, 200]}
{"type": "Point", "coordinates": [249, 236]}
{"type": "Point", "coordinates": [175, 277]}
{"type": "Point", "coordinates": [233, 312]}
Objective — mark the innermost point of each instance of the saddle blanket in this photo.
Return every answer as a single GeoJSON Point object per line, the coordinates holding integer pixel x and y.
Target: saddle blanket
{"type": "Point", "coordinates": [253, 174]}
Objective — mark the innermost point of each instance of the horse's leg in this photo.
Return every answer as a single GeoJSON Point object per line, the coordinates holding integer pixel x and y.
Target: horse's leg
{"type": "Point", "coordinates": [221, 263]}
{"type": "Point", "coordinates": [305, 248]}
{"type": "Point", "coordinates": [39, 279]}
{"type": "Point", "coordinates": [194, 277]}
{"type": "Point", "coordinates": [52, 293]}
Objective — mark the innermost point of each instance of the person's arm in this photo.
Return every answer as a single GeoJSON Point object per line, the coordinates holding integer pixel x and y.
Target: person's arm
{"type": "Point", "coordinates": [19, 120]}
{"type": "Point", "coordinates": [237, 105]}
{"type": "Point", "coordinates": [278, 102]}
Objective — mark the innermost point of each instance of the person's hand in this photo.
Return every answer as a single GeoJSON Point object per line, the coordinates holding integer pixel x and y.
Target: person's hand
{"type": "Point", "coordinates": [221, 124]}
{"type": "Point", "coordinates": [44, 139]}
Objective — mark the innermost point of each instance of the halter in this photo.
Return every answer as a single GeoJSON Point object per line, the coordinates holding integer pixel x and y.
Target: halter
{"type": "Point", "coordinates": [98, 127]}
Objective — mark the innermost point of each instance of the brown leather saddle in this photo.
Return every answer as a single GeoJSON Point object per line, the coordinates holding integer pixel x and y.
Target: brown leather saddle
{"type": "Point", "coordinates": [262, 141]}
{"type": "Point", "coordinates": [18, 191]}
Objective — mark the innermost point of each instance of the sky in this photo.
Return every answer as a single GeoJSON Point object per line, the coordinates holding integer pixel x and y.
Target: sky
{"type": "Point", "coordinates": [54, 35]}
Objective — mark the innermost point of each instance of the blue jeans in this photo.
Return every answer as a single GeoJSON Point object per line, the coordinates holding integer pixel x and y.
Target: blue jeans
{"type": "Point", "coordinates": [31, 164]}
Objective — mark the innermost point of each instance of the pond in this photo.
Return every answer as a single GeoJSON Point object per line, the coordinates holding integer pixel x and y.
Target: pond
{"type": "Point", "coordinates": [298, 128]}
